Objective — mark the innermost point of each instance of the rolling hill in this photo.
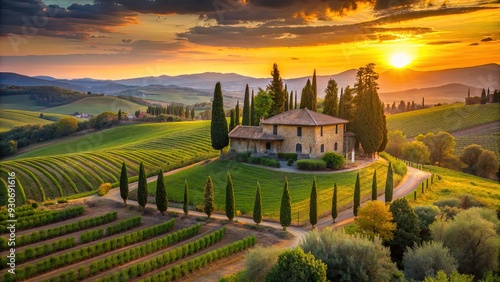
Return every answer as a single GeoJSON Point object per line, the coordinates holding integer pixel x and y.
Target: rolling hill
{"type": "Point", "coordinates": [13, 118]}
{"type": "Point", "coordinates": [96, 105]}
{"type": "Point", "coordinates": [449, 93]}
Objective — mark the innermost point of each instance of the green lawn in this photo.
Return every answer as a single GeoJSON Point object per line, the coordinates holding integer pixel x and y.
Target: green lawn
{"type": "Point", "coordinates": [97, 105]}
{"type": "Point", "coordinates": [443, 118]}
{"type": "Point", "coordinates": [455, 183]}
{"type": "Point", "coordinates": [245, 179]}
{"type": "Point", "coordinates": [12, 118]}
{"type": "Point", "coordinates": [19, 102]}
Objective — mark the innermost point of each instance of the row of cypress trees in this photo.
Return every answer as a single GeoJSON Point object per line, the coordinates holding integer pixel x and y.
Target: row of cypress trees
{"type": "Point", "coordinates": [389, 188]}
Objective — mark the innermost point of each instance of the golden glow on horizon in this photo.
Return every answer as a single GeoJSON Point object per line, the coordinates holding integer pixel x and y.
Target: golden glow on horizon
{"type": "Point", "coordinates": [400, 60]}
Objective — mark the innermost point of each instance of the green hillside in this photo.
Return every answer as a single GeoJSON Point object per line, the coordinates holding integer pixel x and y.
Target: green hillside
{"type": "Point", "coordinates": [82, 164]}
{"type": "Point", "coordinates": [443, 118]}
{"type": "Point", "coordinates": [245, 179]}
{"type": "Point", "coordinates": [96, 105]}
{"type": "Point", "coordinates": [19, 102]}
{"type": "Point", "coordinates": [12, 118]}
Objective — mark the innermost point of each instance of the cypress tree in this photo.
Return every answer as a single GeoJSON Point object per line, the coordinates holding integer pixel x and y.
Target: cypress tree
{"type": "Point", "coordinates": [257, 206]}
{"type": "Point", "coordinates": [124, 184]}
{"type": "Point", "coordinates": [334, 203]}
{"type": "Point", "coordinates": [276, 86]}
{"type": "Point", "coordinates": [295, 101]}
{"type": "Point", "coordinates": [306, 99]}
{"type": "Point", "coordinates": [314, 95]}
{"type": "Point", "coordinates": [389, 184]}
{"type": "Point", "coordinates": [237, 114]}
{"type": "Point", "coordinates": [341, 112]}
{"type": "Point", "coordinates": [423, 102]}
{"type": "Point", "coordinates": [246, 108]}
{"type": "Point", "coordinates": [218, 127]}
{"type": "Point", "coordinates": [374, 186]}
{"type": "Point", "coordinates": [290, 101]}
{"type": "Point", "coordinates": [185, 204]}
{"type": "Point", "coordinates": [119, 114]}
{"type": "Point", "coordinates": [357, 196]}
{"type": "Point", "coordinates": [330, 106]}
{"type": "Point", "coordinates": [313, 204]}
{"type": "Point", "coordinates": [192, 113]}
{"type": "Point", "coordinates": [382, 146]}
{"type": "Point", "coordinates": [230, 205]}
{"type": "Point", "coordinates": [142, 188]}
{"type": "Point", "coordinates": [286, 207]}
{"type": "Point", "coordinates": [369, 127]}
{"type": "Point", "coordinates": [252, 111]}
{"type": "Point", "coordinates": [231, 120]}
{"type": "Point", "coordinates": [209, 205]}
{"type": "Point", "coordinates": [483, 97]}
{"type": "Point", "coordinates": [286, 99]}
{"type": "Point", "coordinates": [161, 194]}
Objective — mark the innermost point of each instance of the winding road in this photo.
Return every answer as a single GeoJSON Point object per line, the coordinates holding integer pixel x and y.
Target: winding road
{"type": "Point", "coordinates": [410, 181]}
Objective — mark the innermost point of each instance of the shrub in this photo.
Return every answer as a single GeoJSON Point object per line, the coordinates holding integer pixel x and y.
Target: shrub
{"type": "Point", "coordinates": [288, 156]}
{"type": "Point", "coordinates": [427, 260]}
{"type": "Point", "coordinates": [289, 162]}
{"type": "Point", "coordinates": [450, 202]}
{"type": "Point", "coordinates": [295, 265]}
{"type": "Point", "coordinates": [333, 160]}
{"type": "Point", "coordinates": [311, 164]}
{"type": "Point", "coordinates": [104, 189]}
{"type": "Point", "coordinates": [62, 200]}
{"type": "Point", "coordinates": [259, 261]}
{"type": "Point", "coordinates": [243, 157]}
{"type": "Point", "coordinates": [264, 161]}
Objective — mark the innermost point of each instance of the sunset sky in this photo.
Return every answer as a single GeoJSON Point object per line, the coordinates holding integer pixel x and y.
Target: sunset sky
{"type": "Point", "coordinates": [111, 39]}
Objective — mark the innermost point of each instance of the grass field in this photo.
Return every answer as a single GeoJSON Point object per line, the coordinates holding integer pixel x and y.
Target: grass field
{"type": "Point", "coordinates": [455, 183]}
{"type": "Point", "coordinates": [97, 105]}
{"type": "Point", "coordinates": [12, 118]}
{"type": "Point", "coordinates": [82, 164]}
{"type": "Point", "coordinates": [245, 179]}
{"type": "Point", "coordinates": [19, 102]}
{"type": "Point", "coordinates": [443, 118]}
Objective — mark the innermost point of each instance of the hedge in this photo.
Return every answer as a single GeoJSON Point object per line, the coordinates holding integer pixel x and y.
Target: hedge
{"type": "Point", "coordinates": [45, 234]}
{"type": "Point", "coordinates": [198, 262]}
{"type": "Point", "coordinates": [131, 254]}
{"type": "Point", "coordinates": [398, 165]}
{"type": "Point", "coordinates": [38, 220]}
{"type": "Point", "coordinates": [97, 249]}
{"type": "Point", "coordinates": [138, 270]}
{"type": "Point", "coordinates": [311, 164]}
{"type": "Point", "coordinates": [123, 225]}
{"type": "Point", "coordinates": [264, 161]}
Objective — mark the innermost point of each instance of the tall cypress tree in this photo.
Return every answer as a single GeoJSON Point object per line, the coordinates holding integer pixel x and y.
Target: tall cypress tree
{"type": "Point", "coordinates": [382, 146]}
{"type": "Point", "coordinates": [306, 99]}
{"type": "Point", "coordinates": [295, 101]}
{"type": "Point", "coordinates": [192, 113]}
{"type": "Point", "coordinates": [161, 194]}
{"type": "Point", "coordinates": [246, 108]}
{"type": "Point", "coordinates": [124, 184]}
{"type": "Point", "coordinates": [218, 127]}
{"type": "Point", "coordinates": [230, 205]}
{"type": "Point", "coordinates": [290, 101]}
{"type": "Point", "coordinates": [119, 114]}
{"type": "Point", "coordinates": [330, 106]}
{"type": "Point", "coordinates": [257, 206]}
{"type": "Point", "coordinates": [252, 111]}
{"type": "Point", "coordinates": [185, 204]}
{"type": "Point", "coordinates": [334, 203]}
{"type": "Point", "coordinates": [389, 184]}
{"type": "Point", "coordinates": [285, 106]}
{"type": "Point", "coordinates": [374, 186]}
{"type": "Point", "coordinates": [483, 97]}
{"type": "Point", "coordinates": [286, 207]}
{"type": "Point", "coordinates": [357, 196]}
{"type": "Point", "coordinates": [237, 114]}
{"type": "Point", "coordinates": [231, 120]}
{"type": "Point", "coordinates": [369, 127]}
{"type": "Point", "coordinates": [314, 87]}
{"type": "Point", "coordinates": [341, 112]}
{"type": "Point", "coordinates": [142, 188]}
{"type": "Point", "coordinates": [313, 204]}
{"type": "Point", "coordinates": [209, 205]}
{"type": "Point", "coordinates": [276, 86]}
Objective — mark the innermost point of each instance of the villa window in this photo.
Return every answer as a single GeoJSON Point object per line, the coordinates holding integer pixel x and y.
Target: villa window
{"type": "Point", "coordinates": [298, 148]}
{"type": "Point", "coordinates": [268, 145]}
{"type": "Point", "coordinates": [299, 131]}
{"type": "Point", "coordinates": [335, 146]}
{"type": "Point", "coordinates": [322, 148]}
{"type": "Point", "coordinates": [275, 129]}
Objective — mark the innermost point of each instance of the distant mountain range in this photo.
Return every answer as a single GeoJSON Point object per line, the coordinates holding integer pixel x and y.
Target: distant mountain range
{"type": "Point", "coordinates": [397, 84]}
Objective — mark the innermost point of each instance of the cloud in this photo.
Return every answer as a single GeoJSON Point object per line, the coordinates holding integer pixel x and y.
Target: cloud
{"type": "Point", "coordinates": [474, 44]}
{"type": "Point", "coordinates": [444, 42]}
{"type": "Point", "coordinates": [487, 39]}
{"type": "Point", "coordinates": [126, 41]}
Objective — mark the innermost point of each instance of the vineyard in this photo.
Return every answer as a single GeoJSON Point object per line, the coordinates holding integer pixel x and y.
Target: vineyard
{"type": "Point", "coordinates": [80, 165]}
{"type": "Point", "coordinates": [443, 118]}
{"type": "Point", "coordinates": [12, 118]}
{"type": "Point", "coordinates": [119, 247]}
{"type": "Point", "coordinates": [245, 179]}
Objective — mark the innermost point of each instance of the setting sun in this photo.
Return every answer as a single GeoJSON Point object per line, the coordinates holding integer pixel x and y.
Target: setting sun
{"type": "Point", "coordinates": [400, 60]}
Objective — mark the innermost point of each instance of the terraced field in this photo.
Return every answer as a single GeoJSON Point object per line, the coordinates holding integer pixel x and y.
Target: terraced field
{"type": "Point", "coordinates": [245, 179]}
{"type": "Point", "coordinates": [447, 118]}
{"type": "Point", "coordinates": [119, 246]}
{"type": "Point", "coordinates": [97, 105]}
{"type": "Point", "coordinates": [80, 165]}
{"type": "Point", "coordinates": [12, 118]}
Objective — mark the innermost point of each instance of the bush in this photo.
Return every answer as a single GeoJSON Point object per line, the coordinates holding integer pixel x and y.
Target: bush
{"type": "Point", "coordinates": [398, 165]}
{"type": "Point", "coordinates": [264, 161]}
{"type": "Point", "coordinates": [243, 157]}
{"type": "Point", "coordinates": [427, 259]}
{"type": "Point", "coordinates": [333, 160]}
{"type": "Point", "coordinates": [288, 156]}
{"type": "Point", "coordinates": [104, 189]}
{"type": "Point", "coordinates": [259, 261]}
{"type": "Point", "coordinates": [289, 162]}
{"type": "Point", "coordinates": [295, 265]}
{"type": "Point", "coordinates": [450, 202]}
{"type": "Point", "coordinates": [311, 164]}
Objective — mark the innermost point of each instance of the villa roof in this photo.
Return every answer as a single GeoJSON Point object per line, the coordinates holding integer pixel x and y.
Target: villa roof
{"type": "Point", "coordinates": [303, 117]}
{"type": "Point", "coordinates": [252, 132]}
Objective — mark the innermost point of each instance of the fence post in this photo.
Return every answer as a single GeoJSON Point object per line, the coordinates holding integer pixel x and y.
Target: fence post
{"type": "Point", "coordinates": [423, 191]}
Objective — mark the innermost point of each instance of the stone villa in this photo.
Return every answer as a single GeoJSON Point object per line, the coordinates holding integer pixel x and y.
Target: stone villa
{"type": "Point", "coordinates": [300, 131]}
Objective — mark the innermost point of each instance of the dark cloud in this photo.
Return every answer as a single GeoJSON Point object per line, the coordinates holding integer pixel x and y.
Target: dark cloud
{"type": "Point", "coordinates": [487, 39]}
{"type": "Point", "coordinates": [474, 44]}
{"type": "Point", "coordinates": [127, 40]}
{"type": "Point", "coordinates": [443, 42]}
